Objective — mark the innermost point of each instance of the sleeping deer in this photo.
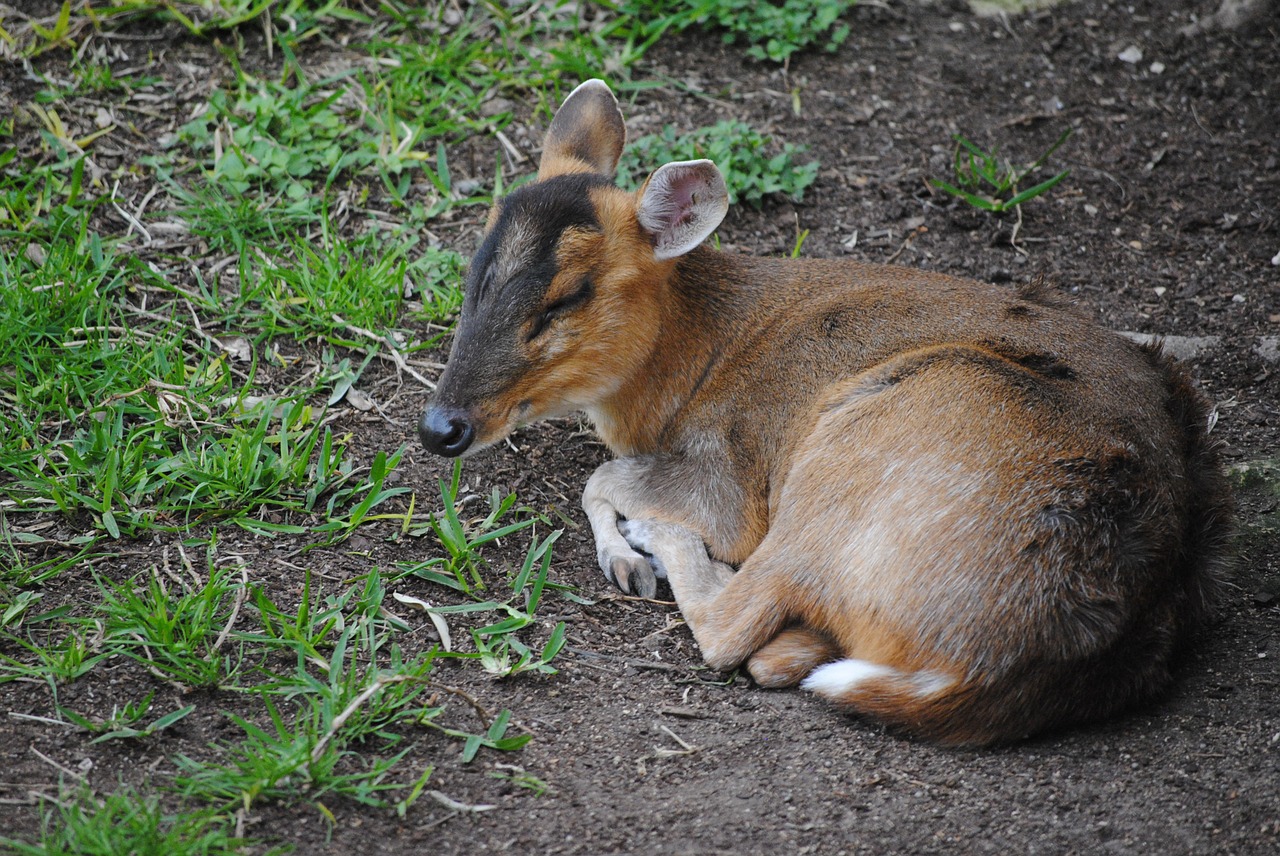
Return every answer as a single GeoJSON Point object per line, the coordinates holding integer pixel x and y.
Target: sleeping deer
{"type": "Point", "coordinates": [962, 509]}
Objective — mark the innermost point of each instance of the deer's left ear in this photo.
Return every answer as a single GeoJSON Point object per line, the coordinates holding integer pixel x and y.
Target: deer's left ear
{"type": "Point", "coordinates": [680, 206]}
{"type": "Point", "coordinates": [587, 134]}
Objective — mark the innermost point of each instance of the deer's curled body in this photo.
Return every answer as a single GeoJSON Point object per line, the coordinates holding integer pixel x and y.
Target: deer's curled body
{"type": "Point", "coordinates": [962, 509]}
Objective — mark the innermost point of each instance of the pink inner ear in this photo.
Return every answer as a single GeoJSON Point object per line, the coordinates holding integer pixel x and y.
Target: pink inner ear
{"type": "Point", "coordinates": [681, 200]}
{"type": "Point", "coordinates": [680, 206]}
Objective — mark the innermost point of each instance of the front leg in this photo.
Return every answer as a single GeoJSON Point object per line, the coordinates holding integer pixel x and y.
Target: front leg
{"type": "Point", "coordinates": [612, 491]}
{"type": "Point", "coordinates": [686, 518]}
{"type": "Point", "coordinates": [679, 554]}
{"type": "Point", "coordinates": [732, 617]}
{"type": "Point", "coordinates": [696, 491]}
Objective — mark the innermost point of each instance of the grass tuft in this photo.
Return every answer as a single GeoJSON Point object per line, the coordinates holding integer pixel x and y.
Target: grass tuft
{"type": "Point", "coordinates": [742, 154]}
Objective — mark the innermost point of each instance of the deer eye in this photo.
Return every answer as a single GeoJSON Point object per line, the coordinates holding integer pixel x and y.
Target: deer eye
{"type": "Point", "coordinates": [560, 308]}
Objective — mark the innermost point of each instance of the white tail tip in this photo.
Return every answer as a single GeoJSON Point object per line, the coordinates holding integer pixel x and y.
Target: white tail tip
{"type": "Point", "coordinates": [835, 679]}
{"type": "Point", "coordinates": [842, 675]}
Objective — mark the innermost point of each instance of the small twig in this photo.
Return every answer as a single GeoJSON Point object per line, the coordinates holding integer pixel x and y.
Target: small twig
{"type": "Point", "coordinates": [341, 719]}
{"type": "Point", "coordinates": [109, 328]}
{"type": "Point", "coordinates": [685, 748]}
{"type": "Point", "coordinates": [168, 572]}
{"type": "Point", "coordinates": [52, 763]}
{"type": "Point", "coordinates": [514, 153]}
{"type": "Point", "coordinates": [617, 595]}
{"type": "Point", "coordinates": [453, 805]}
{"type": "Point", "coordinates": [394, 357]}
{"type": "Point", "coordinates": [672, 624]}
{"type": "Point", "coordinates": [134, 222]}
{"type": "Point", "coordinates": [42, 719]}
{"type": "Point", "coordinates": [133, 310]}
{"type": "Point", "coordinates": [485, 719]}
{"type": "Point", "coordinates": [241, 594]}
{"type": "Point", "coordinates": [186, 563]}
{"type": "Point", "coordinates": [1196, 116]}
{"type": "Point", "coordinates": [905, 243]}
{"type": "Point", "coordinates": [382, 340]}
{"type": "Point", "coordinates": [1017, 227]}
{"type": "Point", "coordinates": [142, 206]}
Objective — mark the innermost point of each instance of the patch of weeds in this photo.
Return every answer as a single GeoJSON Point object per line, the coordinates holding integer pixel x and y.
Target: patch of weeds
{"type": "Point", "coordinates": [577, 40]}
{"type": "Point", "coordinates": [20, 571]}
{"type": "Point", "coordinates": [494, 737]}
{"type": "Point", "coordinates": [85, 390]}
{"type": "Point", "coordinates": [80, 821]}
{"type": "Point", "coordinates": [291, 20]}
{"type": "Point", "coordinates": [272, 456]}
{"type": "Point", "coordinates": [232, 222]}
{"type": "Point", "coordinates": [134, 475]}
{"type": "Point", "coordinates": [64, 342]}
{"type": "Point", "coordinates": [38, 36]}
{"type": "Point", "coordinates": [341, 290]}
{"type": "Point", "coordinates": [338, 288]}
{"type": "Point", "coordinates": [502, 654]}
{"type": "Point", "coordinates": [14, 610]}
{"type": "Point", "coordinates": [285, 761]}
{"type": "Point", "coordinates": [269, 134]}
{"type": "Point", "coordinates": [772, 30]}
{"type": "Point", "coordinates": [126, 723]}
{"type": "Point", "coordinates": [287, 22]}
{"type": "Point", "coordinates": [352, 686]}
{"type": "Point", "coordinates": [775, 31]}
{"type": "Point", "coordinates": [740, 152]}
{"type": "Point", "coordinates": [439, 79]}
{"type": "Point", "coordinates": [61, 662]}
{"type": "Point", "coordinates": [446, 74]}
{"type": "Point", "coordinates": [459, 569]}
{"type": "Point", "coordinates": [93, 79]}
{"type": "Point", "coordinates": [349, 508]}
{"type": "Point", "coordinates": [42, 203]}
{"type": "Point", "coordinates": [291, 141]}
{"type": "Point", "coordinates": [499, 649]}
{"type": "Point", "coordinates": [988, 183]}
{"type": "Point", "coordinates": [177, 636]}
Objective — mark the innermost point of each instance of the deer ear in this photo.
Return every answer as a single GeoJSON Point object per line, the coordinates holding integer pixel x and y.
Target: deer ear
{"type": "Point", "coordinates": [680, 206]}
{"type": "Point", "coordinates": [586, 135]}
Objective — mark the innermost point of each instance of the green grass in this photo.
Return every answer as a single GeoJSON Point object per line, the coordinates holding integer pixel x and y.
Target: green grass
{"type": "Point", "coordinates": [183, 338]}
{"type": "Point", "coordinates": [988, 183]}
{"type": "Point", "coordinates": [126, 723]}
{"type": "Point", "coordinates": [178, 636]}
{"type": "Point", "coordinates": [773, 30]}
{"type": "Point", "coordinates": [752, 166]}
{"type": "Point", "coordinates": [80, 821]}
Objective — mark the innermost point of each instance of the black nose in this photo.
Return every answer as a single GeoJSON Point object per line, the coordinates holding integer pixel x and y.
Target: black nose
{"type": "Point", "coordinates": [445, 431]}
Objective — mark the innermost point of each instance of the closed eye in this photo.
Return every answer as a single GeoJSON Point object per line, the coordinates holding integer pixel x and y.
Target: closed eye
{"type": "Point", "coordinates": [561, 307]}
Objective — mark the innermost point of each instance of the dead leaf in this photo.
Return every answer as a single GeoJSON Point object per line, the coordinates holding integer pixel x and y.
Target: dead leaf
{"type": "Point", "coordinates": [442, 629]}
{"type": "Point", "coordinates": [359, 400]}
{"type": "Point", "coordinates": [237, 347]}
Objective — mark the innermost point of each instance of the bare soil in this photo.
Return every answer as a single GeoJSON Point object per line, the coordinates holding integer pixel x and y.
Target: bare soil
{"type": "Point", "coordinates": [1167, 225]}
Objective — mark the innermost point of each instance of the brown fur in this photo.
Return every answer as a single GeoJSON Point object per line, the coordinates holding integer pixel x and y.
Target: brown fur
{"type": "Point", "coordinates": [1009, 517]}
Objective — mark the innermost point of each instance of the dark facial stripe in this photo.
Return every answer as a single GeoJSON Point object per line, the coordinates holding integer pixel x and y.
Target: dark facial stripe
{"type": "Point", "coordinates": [545, 208]}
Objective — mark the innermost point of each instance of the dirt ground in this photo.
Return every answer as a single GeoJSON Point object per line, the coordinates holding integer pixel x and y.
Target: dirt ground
{"type": "Point", "coordinates": [1167, 225]}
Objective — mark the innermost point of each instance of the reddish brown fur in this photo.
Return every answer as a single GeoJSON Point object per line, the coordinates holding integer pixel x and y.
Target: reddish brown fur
{"type": "Point", "coordinates": [1016, 515]}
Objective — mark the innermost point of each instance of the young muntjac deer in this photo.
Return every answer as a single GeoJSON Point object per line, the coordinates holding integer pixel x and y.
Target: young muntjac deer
{"type": "Point", "coordinates": [965, 510]}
